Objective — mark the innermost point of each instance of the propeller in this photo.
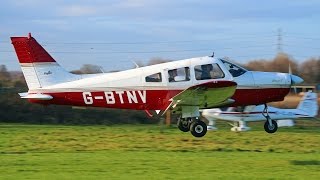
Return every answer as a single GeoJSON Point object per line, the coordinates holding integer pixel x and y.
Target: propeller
{"type": "Point", "coordinates": [294, 79]}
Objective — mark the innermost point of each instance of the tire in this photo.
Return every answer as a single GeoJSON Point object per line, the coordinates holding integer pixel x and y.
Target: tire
{"type": "Point", "coordinates": [198, 128]}
{"type": "Point", "coordinates": [271, 129]}
{"type": "Point", "coordinates": [183, 125]}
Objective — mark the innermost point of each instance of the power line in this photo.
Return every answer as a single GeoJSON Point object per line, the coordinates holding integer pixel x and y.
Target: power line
{"type": "Point", "coordinates": [305, 38]}
{"type": "Point", "coordinates": [156, 42]}
{"type": "Point", "coordinates": [301, 46]}
{"type": "Point", "coordinates": [156, 51]}
{"type": "Point", "coordinates": [280, 35]}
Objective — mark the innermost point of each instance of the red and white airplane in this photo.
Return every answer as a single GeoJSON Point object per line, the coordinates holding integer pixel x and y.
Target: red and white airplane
{"type": "Point", "coordinates": [307, 108]}
{"type": "Point", "coordinates": [184, 86]}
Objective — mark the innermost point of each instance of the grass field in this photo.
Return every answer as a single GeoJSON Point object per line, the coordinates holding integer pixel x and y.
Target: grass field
{"type": "Point", "coordinates": [157, 152]}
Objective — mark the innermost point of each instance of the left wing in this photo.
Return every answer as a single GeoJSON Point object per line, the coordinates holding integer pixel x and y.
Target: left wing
{"type": "Point", "coordinates": [207, 95]}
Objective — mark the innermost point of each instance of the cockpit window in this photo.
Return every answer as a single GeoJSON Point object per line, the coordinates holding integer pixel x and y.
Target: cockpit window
{"type": "Point", "coordinates": [234, 70]}
{"type": "Point", "coordinates": [208, 71]}
{"type": "Point", "coordinates": [154, 78]}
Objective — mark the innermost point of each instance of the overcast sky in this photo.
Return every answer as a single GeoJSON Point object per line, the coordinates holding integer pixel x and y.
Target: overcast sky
{"type": "Point", "coordinates": [112, 33]}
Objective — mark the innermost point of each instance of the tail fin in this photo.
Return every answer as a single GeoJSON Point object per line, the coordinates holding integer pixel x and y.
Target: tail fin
{"type": "Point", "coordinates": [309, 104]}
{"type": "Point", "coordinates": [38, 67]}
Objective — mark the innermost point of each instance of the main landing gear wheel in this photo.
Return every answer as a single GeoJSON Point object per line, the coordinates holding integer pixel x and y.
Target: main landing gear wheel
{"type": "Point", "coordinates": [271, 128]}
{"type": "Point", "coordinates": [198, 128]}
{"type": "Point", "coordinates": [183, 124]}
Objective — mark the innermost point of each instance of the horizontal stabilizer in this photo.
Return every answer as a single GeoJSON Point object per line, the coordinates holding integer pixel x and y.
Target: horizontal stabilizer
{"type": "Point", "coordinates": [35, 96]}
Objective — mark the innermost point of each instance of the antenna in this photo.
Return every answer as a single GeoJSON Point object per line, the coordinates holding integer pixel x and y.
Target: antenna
{"type": "Point", "coordinates": [212, 54]}
{"type": "Point", "coordinates": [137, 66]}
{"type": "Point", "coordinates": [101, 69]}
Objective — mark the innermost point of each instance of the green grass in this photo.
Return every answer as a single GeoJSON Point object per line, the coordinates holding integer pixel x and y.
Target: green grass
{"type": "Point", "coordinates": [156, 152]}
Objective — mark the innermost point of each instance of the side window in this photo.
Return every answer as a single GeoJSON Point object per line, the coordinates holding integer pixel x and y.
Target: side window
{"type": "Point", "coordinates": [208, 71]}
{"type": "Point", "coordinates": [154, 78]}
{"type": "Point", "coordinates": [180, 74]}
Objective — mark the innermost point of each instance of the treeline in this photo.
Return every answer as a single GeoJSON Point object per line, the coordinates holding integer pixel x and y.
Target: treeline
{"type": "Point", "coordinates": [309, 69]}
{"type": "Point", "coordinates": [14, 109]}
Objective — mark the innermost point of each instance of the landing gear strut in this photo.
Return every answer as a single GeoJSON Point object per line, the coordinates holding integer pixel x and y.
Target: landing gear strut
{"type": "Point", "coordinates": [270, 126]}
{"type": "Point", "coordinates": [240, 126]}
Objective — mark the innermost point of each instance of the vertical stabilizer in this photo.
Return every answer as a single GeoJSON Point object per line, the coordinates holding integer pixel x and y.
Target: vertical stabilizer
{"type": "Point", "coordinates": [38, 66]}
{"type": "Point", "coordinates": [309, 104]}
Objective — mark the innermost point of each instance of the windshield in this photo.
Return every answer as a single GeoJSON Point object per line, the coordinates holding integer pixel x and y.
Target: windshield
{"type": "Point", "coordinates": [234, 70]}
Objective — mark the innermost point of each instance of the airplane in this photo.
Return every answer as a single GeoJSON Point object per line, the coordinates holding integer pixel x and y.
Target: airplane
{"type": "Point", "coordinates": [307, 108]}
{"type": "Point", "coordinates": [183, 86]}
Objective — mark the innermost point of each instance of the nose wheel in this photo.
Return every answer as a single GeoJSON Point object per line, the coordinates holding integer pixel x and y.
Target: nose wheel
{"type": "Point", "coordinates": [270, 126]}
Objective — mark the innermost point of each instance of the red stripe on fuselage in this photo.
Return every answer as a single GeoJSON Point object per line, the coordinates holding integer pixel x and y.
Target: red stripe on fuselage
{"type": "Point", "coordinates": [244, 97]}
{"type": "Point", "coordinates": [158, 99]}
{"type": "Point", "coordinates": [151, 100]}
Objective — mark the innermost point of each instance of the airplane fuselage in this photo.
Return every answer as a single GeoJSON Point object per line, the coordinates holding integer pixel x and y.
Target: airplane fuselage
{"type": "Point", "coordinates": [130, 90]}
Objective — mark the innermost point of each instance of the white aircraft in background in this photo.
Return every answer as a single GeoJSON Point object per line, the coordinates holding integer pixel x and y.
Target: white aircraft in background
{"type": "Point", "coordinates": [307, 108]}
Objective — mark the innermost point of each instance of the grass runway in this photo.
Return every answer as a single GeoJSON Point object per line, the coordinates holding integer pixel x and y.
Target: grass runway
{"type": "Point", "coordinates": [156, 152]}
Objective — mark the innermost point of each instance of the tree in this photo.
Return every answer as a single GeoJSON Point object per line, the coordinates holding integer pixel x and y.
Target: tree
{"type": "Point", "coordinates": [310, 70]}
{"type": "Point", "coordinates": [279, 64]}
{"type": "Point", "coordinates": [88, 69]}
{"type": "Point", "coordinates": [5, 77]}
{"type": "Point", "coordinates": [258, 65]}
{"type": "Point", "coordinates": [158, 60]}
{"type": "Point", "coordinates": [4, 74]}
